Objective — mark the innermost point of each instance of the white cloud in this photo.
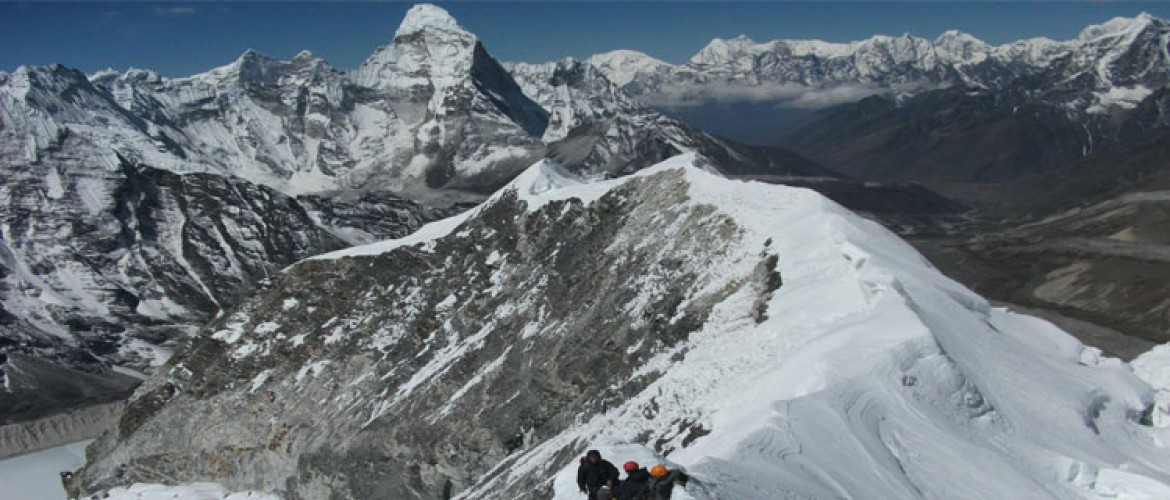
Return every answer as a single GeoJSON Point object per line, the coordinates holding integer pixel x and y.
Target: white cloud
{"type": "Point", "coordinates": [785, 95]}
{"type": "Point", "coordinates": [174, 11]}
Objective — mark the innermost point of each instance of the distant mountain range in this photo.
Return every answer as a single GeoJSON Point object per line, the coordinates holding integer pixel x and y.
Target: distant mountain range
{"type": "Point", "coordinates": [618, 289]}
{"type": "Point", "coordinates": [1117, 63]}
{"type": "Point", "coordinates": [1024, 131]}
{"type": "Point", "coordinates": [136, 206]}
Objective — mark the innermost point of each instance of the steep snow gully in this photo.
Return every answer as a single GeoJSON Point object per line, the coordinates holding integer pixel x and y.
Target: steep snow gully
{"type": "Point", "coordinates": [810, 354]}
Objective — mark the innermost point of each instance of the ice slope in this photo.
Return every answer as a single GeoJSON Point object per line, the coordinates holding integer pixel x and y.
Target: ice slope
{"type": "Point", "coordinates": [870, 376]}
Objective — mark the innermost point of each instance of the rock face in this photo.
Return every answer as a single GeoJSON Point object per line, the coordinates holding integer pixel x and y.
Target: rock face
{"type": "Point", "coordinates": [516, 317]}
{"type": "Point", "coordinates": [59, 429]}
{"type": "Point", "coordinates": [761, 336]}
{"type": "Point", "coordinates": [473, 127]}
{"type": "Point", "coordinates": [122, 265]}
{"type": "Point", "coordinates": [136, 206]}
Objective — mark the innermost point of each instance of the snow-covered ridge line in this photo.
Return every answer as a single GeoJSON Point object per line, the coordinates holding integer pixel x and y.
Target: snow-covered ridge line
{"type": "Point", "coordinates": [430, 124]}
{"type": "Point", "coordinates": [299, 126]}
{"type": "Point", "coordinates": [539, 185]}
{"type": "Point", "coordinates": [830, 359]}
{"type": "Point", "coordinates": [1117, 53]}
{"type": "Point", "coordinates": [875, 376]}
{"type": "Point", "coordinates": [951, 45]}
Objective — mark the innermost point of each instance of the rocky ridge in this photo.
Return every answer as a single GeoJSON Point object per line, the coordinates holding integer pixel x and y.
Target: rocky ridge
{"type": "Point", "coordinates": [737, 328]}
{"type": "Point", "coordinates": [137, 206]}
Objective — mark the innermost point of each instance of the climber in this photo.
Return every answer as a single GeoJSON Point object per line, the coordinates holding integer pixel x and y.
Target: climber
{"type": "Point", "coordinates": [662, 482]}
{"type": "Point", "coordinates": [633, 487]}
{"type": "Point", "coordinates": [595, 472]}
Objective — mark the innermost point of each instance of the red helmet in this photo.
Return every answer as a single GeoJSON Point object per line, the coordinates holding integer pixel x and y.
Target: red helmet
{"type": "Point", "coordinates": [630, 466]}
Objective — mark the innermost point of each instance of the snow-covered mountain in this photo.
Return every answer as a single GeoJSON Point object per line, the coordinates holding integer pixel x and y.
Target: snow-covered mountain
{"type": "Point", "coordinates": [429, 110]}
{"type": "Point", "coordinates": [594, 126]}
{"type": "Point", "coordinates": [119, 265]}
{"type": "Point", "coordinates": [136, 206]}
{"type": "Point", "coordinates": [1115, 63]}
{"type": "Point", "coordinates": [764, 338]}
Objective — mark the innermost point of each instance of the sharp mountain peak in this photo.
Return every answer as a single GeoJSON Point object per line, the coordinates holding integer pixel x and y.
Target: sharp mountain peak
{"type": "Point", "coordinates": [427, 17]}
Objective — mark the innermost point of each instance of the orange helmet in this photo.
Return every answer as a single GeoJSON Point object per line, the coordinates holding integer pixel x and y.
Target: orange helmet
{"type": "Point", "coordinates": [658, 470]}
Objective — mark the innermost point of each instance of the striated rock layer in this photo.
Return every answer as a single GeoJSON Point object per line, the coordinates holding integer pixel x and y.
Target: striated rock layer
{"type": "Point", "coordinates": [59, 429]}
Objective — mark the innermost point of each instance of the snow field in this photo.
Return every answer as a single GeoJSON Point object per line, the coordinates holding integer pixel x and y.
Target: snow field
{"type": "Point", "coordinates": [194, 491]}
{"type": "Point", "coordinates": [872, 376]}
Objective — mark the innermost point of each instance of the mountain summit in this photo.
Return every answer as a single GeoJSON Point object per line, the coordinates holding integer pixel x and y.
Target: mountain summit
{"type": "Point", "coordinates": [429, 44]}
{"type": "Point", "coordinates": [428, 17]}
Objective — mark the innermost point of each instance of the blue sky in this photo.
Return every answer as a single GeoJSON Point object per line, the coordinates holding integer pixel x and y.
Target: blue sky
{"type": "Point", "coordinates": [183, 38]}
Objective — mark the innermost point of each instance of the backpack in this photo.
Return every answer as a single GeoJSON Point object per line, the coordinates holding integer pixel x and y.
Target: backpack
{"type": "Point", "coordinates": [661, 488]}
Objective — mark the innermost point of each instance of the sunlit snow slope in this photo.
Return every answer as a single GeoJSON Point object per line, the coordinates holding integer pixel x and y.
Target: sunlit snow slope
{"type": "Point", "coordinates": [872, 376]}
{"type": "Point", "coordinates": [764, 338]}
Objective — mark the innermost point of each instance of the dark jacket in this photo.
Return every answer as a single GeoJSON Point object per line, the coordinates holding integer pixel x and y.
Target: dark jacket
{"type": "Point", "coordinates": [633, 487]}
{"type": "Point", "coordinates": [661, 488]}
{"type": "Point", "coordinates": [591, 476]}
